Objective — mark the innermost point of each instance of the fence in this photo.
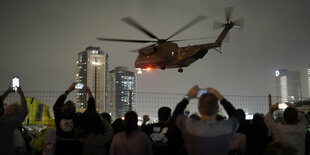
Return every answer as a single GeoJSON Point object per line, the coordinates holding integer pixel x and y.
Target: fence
{"type": "Point", "coordinates": [149, 103]}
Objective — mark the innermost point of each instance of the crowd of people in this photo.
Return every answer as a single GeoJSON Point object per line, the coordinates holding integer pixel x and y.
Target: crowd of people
{"type": "Point", "coordinates": [208, 133]}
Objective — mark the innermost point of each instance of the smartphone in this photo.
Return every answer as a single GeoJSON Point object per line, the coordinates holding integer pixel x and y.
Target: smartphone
{"type": "Point", "coordinates": [79, 86]}
{"type": "Point", "coordinates": [201, 92]}
{"type": "Point", "coordinates": [282, 106]}
{"type": "Point", "coordinates": [249, 117]}
{"type": "Point", "coordinates": [15, 83]}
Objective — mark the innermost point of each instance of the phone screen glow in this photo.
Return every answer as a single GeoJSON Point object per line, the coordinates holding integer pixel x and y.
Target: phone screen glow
{"type": "Point", "coordinates": [79, 86]}
{"type": "Point", "coordinates": [201, 92]}
{"type": "Point", "coordinates": [15, 83]}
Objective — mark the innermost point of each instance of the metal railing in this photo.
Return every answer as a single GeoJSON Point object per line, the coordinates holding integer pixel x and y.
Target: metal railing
{"type": "Point", "coordinates": [148, 103]}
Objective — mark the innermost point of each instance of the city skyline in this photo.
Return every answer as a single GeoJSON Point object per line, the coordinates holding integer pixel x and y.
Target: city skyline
{"type": "Point", "coordinates": [40, 40]}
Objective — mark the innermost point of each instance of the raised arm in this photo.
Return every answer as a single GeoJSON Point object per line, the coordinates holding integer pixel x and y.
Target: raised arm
{"type": "Point", "coordinates": [2, 98]}
{"type": "Point", "coordinates": [269, 121]}
{"type": "Point", "coordinates": [179, 109]}
{"type": "Point", "coordinates": [61, 99]}
{"type": "Point", "coordinates": [181, 106]}
{"type": "Point", "coordinates": [229, 108]}
{"type": "Point", "coordinates": [19, 116]}
{"type": "Point", "coordinates": [24, 108]}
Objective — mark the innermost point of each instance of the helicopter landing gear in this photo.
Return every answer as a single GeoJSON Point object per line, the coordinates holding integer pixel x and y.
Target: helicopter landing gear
{"type": "Point", "coordinates": [180, 70]}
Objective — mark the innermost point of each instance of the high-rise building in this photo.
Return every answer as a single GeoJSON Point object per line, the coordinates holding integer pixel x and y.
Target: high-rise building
{"type": "Point", "coordinates": [288, 85]}
{"type": "Point", "coordinates": [92, 69]}
{"type": "Point", "coordinates": [122, 91]}
{"type": "Point", "coordinates": [308, 79]}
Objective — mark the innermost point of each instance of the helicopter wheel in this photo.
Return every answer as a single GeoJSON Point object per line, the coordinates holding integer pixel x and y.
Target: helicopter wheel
{"type": "Point", "coordinates": [162, 67]}
{"type": "Point", "coordinates": [180, 70]}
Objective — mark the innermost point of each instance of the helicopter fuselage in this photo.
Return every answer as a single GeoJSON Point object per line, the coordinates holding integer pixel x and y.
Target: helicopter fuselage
{"type": "Point", "coordinates": [169, 55]}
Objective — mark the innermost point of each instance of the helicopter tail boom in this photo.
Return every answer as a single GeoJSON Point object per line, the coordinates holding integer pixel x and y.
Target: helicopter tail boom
{"type": "Point", "coordinates": [224, 34]}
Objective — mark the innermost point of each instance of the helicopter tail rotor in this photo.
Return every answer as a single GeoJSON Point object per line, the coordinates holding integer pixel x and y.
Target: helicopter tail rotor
{"type": "Point", "coordinates": [239, 23]}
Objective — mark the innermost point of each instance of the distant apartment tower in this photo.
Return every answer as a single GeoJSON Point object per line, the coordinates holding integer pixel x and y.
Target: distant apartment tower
{"type": "Point", "coordinates": [308, 79]}
{"type": "Point", "coordinates": [288, 85]}
{"type": "Point", "coordinates": [92, 69]}
{"type": "Point", "coordinates": [122, 91]}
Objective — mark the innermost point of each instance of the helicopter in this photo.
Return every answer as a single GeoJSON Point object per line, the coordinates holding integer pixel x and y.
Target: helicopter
{"type": "Point", "coordinates": [165, 53]}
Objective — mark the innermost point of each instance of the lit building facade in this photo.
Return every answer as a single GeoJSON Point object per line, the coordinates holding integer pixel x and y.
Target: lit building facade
{"type": "Point", "coordinates": [92, 69]}
{"type": "Point", "coordinates": [288, 85]}
{"type": "Point", "coordinates": [121, 91]}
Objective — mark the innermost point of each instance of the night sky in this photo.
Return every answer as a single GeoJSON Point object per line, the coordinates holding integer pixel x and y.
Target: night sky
{"type": "Point", "coordinates": [40, 40]}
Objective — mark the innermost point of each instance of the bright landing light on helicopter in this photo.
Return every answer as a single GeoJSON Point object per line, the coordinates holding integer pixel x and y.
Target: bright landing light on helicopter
{"type": "Point", "coordinates": [148, 69]}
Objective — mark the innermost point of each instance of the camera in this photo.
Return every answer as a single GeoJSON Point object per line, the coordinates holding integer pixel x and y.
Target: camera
{"type": "Point", "coordinates": [79, 86]}
{"type": "Point", "coordinates": [15, 83]}
{"type": "Point", "coordinates": [201, 92]}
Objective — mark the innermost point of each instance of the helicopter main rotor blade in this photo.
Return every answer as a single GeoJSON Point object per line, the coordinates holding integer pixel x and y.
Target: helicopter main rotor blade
{"type": "Point", "coordinates": [126, 40]}
{"type": "Point", "coordinates": [136, 25]}
{"type": "Point", "coordinates": [193, 39]}
{"type": "Point", "coordinates": [191, 23]}
{"type": "Point", "coordinates": [136, 50]}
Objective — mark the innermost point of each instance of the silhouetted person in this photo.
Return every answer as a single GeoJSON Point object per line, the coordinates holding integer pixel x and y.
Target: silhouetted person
{"type": "Point", "coordinates": [94, 133]}
{"type": "Point", "coordinates": [106, 116]}
{"type": "Point", "coordinates": [207, 136]}
{"type": "Point", "coordinates": [259, 138]}
{"type": "Point", "coordinates": [131, 141]}
{"type": "Point", "coordinates": [244, 130]}
{"type": "Point", "coordinates": [10, 119]}
{"type": "Point", "coordinates": [66, 121]}
{"type": "Point", "coordinates": [118, 125]}
{"type": "Point", "coordinates": [244, 126]}
{"type": "Point", "coordinates": [157, 132]}
{"type": "Point", "coordinates": [291, 131]}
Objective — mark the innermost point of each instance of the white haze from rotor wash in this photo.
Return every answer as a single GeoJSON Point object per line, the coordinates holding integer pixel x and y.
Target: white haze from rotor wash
{"type": "Point", "coordinates": [40, 42]}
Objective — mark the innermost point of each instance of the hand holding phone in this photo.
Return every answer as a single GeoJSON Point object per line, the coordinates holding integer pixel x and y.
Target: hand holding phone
{"type": "Point", "coordinates": [79, 86]}
{"type": "Point", "coordinates": [15, 83]}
